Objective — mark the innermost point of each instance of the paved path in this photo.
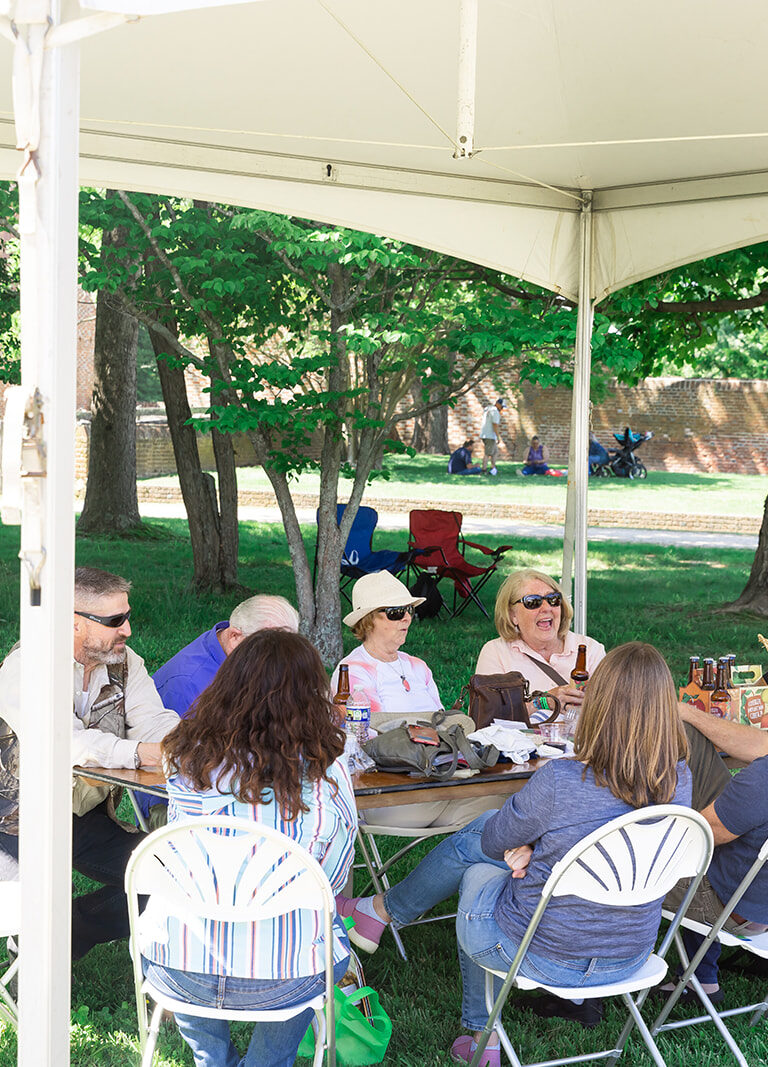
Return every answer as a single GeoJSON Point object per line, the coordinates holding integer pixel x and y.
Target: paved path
{"type": "Point", "coordinates": [399, 521]}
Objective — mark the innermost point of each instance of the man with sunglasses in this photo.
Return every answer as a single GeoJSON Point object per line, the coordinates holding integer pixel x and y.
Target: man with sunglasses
{"type": "Point", "coordinates": [118, 721]}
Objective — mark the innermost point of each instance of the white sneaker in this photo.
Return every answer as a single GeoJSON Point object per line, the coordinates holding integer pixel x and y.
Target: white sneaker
{"type": "Point", "coordinates": [493, 471]}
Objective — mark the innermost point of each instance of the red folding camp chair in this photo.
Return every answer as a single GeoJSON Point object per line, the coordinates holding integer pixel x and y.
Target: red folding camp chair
{"type": "Point", "coordinates": [438, 535]}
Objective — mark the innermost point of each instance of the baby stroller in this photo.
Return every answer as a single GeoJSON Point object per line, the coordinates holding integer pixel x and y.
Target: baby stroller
{"type": "Point", "coordinates": [623, 462]}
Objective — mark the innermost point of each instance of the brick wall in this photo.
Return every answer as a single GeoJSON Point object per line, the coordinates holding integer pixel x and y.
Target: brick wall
{"type": "Point", "coordinates": [698, 424]}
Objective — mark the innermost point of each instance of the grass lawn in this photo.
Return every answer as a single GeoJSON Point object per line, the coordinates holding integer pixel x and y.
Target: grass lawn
{"type": "Point", "coordinates": [425, 477]}
{"type": "Point", "coordinates": [667, 596]}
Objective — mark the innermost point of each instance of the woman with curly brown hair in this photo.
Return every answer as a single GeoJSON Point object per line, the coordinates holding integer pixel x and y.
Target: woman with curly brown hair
{"type": "Point", "coordinates": [260, 743]}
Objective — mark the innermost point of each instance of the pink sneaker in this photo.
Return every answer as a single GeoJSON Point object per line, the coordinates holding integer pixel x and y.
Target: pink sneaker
{"type": "Point", "coordinates": [367, 931]}
{"type": "Point", "coordinates": [463, 1049]}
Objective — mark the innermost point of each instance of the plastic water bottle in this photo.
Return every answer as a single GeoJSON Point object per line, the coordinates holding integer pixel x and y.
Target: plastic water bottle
{"type": "Point", "coordinates": [358, 715]}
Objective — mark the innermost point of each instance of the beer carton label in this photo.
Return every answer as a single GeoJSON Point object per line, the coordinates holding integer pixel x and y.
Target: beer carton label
{"type": "Point", "coordinates": [754, 705]}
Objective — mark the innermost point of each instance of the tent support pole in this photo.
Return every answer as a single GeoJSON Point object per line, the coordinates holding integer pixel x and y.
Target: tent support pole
{"type": "Point", "coordinates": [575, 535]}
{"type": "Point", "coordinates": [46, 95]}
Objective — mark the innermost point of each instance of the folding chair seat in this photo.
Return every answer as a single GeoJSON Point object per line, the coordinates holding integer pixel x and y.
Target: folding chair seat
{"type": "Point", "coordinates": [10, 923]}
{"type": "Point", "coordinates": [756, 944]}
{"type": "Point", "coordinates": [378, 868]}
{"type": "Point", "coordinates": [632, 860]}
{"type": "Point", "coordinates": [359, 558]}
{"type": "Point", "coordinates": [227, 870]}
{"type": "Point", "coordinates": [437, 534]}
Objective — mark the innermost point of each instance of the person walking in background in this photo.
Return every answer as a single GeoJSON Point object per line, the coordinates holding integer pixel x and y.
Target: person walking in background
{"type": "Point", "coordinates": [536, 462]}
{"type": "Point", "coordinates": [461, 460]}
{"type": "Point", "coordinates": [488, 434]}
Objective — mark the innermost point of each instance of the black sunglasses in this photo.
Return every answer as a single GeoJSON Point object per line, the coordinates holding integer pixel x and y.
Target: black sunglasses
{"type": "Point", "coordinates": [112, 621]}
{"type": "Point", "coordinates": [396, 614]}
{"type": "Point", "coordinates": [533, 600]}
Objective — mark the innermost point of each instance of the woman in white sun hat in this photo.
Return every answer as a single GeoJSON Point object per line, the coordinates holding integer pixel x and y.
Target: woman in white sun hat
{"type": "Point", "coordinates": [399, 687]}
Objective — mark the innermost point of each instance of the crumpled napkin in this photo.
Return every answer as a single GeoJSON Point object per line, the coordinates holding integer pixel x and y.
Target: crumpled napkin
{"type": "Point", "coordinates": [517, 746]}
{"type": "Point", "coordinates": [513, 744]}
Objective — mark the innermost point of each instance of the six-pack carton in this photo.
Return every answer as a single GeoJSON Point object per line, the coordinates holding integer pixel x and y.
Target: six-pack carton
{"type": "Point", "coordinates": [749, 698]}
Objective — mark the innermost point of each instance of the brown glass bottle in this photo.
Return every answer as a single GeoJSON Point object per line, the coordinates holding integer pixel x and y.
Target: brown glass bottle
{"type": "Point", "coordinates": [708, 678]}
{"type": "Point", "coordinates": [720, 698]}
{"type": "Point", "coordinates": [342, 693]}
{"type": "Point", "coordinates": [731, 664]}
{"type": "Point", "coordinates": [580, 674]}
{"type": "Point", "coordinates": [693, 666]}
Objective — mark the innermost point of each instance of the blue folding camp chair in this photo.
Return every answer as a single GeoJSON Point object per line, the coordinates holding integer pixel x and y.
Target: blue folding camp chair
{"type": "Point", "coordinates": [359, 557]}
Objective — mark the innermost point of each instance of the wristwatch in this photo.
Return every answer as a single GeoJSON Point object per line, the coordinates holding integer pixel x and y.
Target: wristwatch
{"type": "Point", "coordinates": [137, 758]}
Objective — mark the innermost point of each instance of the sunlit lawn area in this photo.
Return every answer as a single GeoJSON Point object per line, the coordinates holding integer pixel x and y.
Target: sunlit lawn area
{"type": "Point", "coordinates": [664, 595]}
{"type": "Point", "coordinates": [425, 477]}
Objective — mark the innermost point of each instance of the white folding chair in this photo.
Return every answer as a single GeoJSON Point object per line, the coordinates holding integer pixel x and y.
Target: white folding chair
{"type": "Point", "coordinates": [228, 870]}
{"type": "Point", "coordinates": [757, 944]}
{"type": "Point", "coordinates": [632, 860]}
{"type": "Point", "coordinates": [10, 923]}
{"type": "Point", "coordinates": [378, 868]}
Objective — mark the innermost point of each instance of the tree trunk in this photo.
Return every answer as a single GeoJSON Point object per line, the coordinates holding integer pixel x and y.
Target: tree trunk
{"type": "Point", "coordinates": [754, 596]}
{"type": "Point", "coordinates": [111, 504]}
{"type": "Point", "coordinates": [438, 431]}
{"type": "Point", "coordinates": [420, 435]}
{"type": "Point", "coordinates": [214, 541]}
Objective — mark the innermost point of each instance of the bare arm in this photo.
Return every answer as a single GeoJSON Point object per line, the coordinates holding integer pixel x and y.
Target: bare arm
{"type": "Point", "coordinates": [721, 835]}
{"type": "Point", "coordinates": [744, 743]}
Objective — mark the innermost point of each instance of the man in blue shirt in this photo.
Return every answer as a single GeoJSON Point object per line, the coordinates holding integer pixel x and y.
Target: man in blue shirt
{"type": "Point", "coordinates": [182, 679]}
{"type": "Point", "coordinates": [461, 460]}
{"type": "Point", "coordinates": [739, 821]}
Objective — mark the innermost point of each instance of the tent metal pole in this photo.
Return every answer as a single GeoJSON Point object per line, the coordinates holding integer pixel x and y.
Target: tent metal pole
{"type": "Point", "coordinates": [46, 100]}
{"type": "Point", "coordinates": [575, 535]}
{"type": "Point", "coordinates": [467, 77]}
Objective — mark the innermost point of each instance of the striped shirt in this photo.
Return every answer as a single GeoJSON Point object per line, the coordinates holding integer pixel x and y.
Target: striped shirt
{"type": "Point", "coordinates": [289, 946]}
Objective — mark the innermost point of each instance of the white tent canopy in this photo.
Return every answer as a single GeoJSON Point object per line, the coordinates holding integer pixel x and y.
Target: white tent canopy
{"type": "Point", "coordinates": [581, 146]}
{"type": "Point", "coordinates": [347, 111]}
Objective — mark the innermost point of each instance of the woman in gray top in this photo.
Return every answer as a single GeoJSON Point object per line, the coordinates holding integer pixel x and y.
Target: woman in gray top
{"type": "Point", "coordinates": [630, 751]}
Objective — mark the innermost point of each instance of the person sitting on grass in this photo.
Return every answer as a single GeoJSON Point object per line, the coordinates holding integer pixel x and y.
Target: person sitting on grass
{"type": "Point", "coordinates": [627, 754]}
{"type": "Point", "coordinates": [261, 743]}
{"type": "Point", "coordinates": [536, 459]}
{"type": "Point", "coordinates": [461, 460]}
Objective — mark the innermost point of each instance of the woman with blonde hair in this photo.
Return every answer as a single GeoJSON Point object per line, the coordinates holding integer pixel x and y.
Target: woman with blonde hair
{"type": "Point", "coordinates": [533, 620]}
{"type": "Point", "coordinates": [630, 751]}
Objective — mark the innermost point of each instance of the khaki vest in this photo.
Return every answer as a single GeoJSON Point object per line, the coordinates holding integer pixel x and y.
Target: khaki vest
{"type": "Point", "coordinates": [107, 713]}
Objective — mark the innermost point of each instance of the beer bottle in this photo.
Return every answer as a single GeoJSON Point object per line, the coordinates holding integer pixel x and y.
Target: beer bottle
{"type": "Point", "coordinates": [693, 666]}
{"type": "Point", "coordinates": [708, 679]}
{"type": "Point", "coordinates": [342, 693]}
{"type": "Point", "coordinates": [731, 664]}
{"type": "Point", "coordinates": [720, 698]}
{"type": "Point", "coordinates": [580, 674]}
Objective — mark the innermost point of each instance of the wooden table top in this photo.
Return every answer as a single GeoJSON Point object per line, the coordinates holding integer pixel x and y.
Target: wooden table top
{"type": "Point", "coordinates": [373, 789]}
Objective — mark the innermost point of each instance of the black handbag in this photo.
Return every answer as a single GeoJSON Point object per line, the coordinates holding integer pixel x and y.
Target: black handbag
{"type": "Point", "coordinates": [416, 747]}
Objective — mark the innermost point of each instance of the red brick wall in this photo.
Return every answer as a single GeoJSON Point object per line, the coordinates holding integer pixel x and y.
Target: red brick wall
{"type": "Point", "coordinates": [698, 424]}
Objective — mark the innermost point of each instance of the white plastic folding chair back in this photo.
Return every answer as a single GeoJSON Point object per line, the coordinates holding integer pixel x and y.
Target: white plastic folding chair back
{"type": "Point", "coordinates": [631, 860]}
{"type": "Point", "coordinates": [755, 944]}
{"type": "Point", "coordinates": [10, 923]}
{"type": "Point", "coordinates": [228, 870]}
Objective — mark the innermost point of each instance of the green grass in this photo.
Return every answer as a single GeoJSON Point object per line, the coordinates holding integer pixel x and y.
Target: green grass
{"type": "Point", "coordinates": [425, 477]}
{"type": "Point", "coordinates": [664, 595]}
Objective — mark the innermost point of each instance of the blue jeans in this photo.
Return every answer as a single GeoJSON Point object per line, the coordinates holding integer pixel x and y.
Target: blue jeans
{"type": "Point", "coordinates": [272, 1044]}
{"type": "Point", "coordinates": [482, 942]}
{"type": "Point", "coordinates": [439, 874]}
{"type": "Point", "coordinates": [540, 468]}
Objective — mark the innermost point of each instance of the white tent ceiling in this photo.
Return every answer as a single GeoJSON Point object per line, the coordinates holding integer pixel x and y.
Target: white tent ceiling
{"type": "Point", "coordinates": [346, 110]}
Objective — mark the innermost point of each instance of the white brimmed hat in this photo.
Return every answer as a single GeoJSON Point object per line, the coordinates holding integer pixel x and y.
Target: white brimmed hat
{"type": "Point", "coordinates": [378, 590]}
